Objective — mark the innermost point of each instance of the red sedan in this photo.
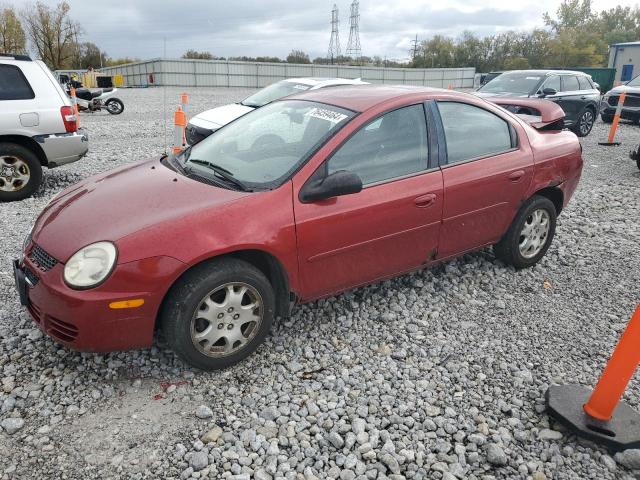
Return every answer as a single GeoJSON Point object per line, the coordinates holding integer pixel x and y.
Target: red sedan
{"type": "Point", "coordinates": [301, 199]}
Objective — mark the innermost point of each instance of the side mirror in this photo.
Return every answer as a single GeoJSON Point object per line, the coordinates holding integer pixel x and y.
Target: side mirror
{"type": "Point", "coordinates": [338, 183]}
{"type": "Point", "coordinates": [547, 92]}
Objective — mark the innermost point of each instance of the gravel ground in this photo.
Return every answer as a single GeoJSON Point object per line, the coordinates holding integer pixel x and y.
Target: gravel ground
{"type": "Point", "coordinates": [439, 374]}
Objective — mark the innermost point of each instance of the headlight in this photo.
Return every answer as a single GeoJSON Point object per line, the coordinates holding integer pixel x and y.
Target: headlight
{"type": "Point", "coordinates": [90, 265]}
{"type": "Point", "coordinates": [27, 241]}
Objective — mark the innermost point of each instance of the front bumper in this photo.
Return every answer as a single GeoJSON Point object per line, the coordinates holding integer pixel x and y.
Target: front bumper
{"type": "Point", "coordinates": [82, 319]}
{"type": "Point", "coordinates": [195, 134]}
{"type": "Point", "coordinates": [63, 148]}
{"type": "Point", "coordinates": [627, 113]}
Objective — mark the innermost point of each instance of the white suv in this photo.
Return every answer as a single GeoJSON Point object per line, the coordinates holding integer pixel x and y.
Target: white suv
{"type": "Point", "coordinates": [38, 126]}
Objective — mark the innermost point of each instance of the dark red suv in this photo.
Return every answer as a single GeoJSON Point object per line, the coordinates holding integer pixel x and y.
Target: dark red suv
{"type": "Point", "coordinates": [299, 200]}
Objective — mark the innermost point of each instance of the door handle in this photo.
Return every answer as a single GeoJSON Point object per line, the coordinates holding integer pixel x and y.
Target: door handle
{"type": "Point", "coordinates": [425, 200]}
{"type": "Point", "coordinates": [583, 97]}
{"type": "Point", "coordinates": [516, 176]}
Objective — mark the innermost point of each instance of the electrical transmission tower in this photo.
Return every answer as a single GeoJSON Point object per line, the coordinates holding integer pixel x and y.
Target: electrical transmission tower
{"type": "Point", "coordinates": [334, 43]}
{"type": "Point", "coordinates": [353, 47]}
{"type": "Point", "coordinates": [414, 49]}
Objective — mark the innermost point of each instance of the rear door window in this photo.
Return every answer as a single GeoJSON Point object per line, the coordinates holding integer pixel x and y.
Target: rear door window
{"type": "Point", "coordinates": [584, 83]}
{"type": "Point", "coordinates": [472, 132]}
{"type": "Point", "coordinates": [13, 84]}
{"type": "Point", "coordinates": [570, 83]}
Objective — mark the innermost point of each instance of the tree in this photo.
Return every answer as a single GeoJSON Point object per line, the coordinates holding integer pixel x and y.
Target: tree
{"type": "Point", "coordinates": [516, 63]}
{"type": "Point", "coordinates": [53, 34]}
{"type": "Point", "coordinates": [12, 37]}
{"type": "Point", "coordinates": [111, 62]}
{"type": "Point", "coordinates": [298, 56]}
{"type": "Point", "coordinates": [194, 54]}
{"type": "Point", "coordinates": [571, 14]}
{"type": "Point", "coordinates": [89, 55]}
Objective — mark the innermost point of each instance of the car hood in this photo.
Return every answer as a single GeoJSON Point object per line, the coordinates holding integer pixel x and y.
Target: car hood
{"type": "Point", "coordinates": [121, 202]}
{"type": "Point", "coordinates": [623, 88]}
{"type": "Point", "coordinates": [499, 94]}
{"type": "Point", "coordinates": [218, 117]}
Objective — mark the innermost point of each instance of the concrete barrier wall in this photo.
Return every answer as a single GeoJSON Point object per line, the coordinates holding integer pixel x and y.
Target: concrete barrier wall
{"type": "Point", "coordinates": [218, 73]}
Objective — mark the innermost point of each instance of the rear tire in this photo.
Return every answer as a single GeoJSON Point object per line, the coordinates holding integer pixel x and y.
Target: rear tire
{"type": "Point", "coordinates": [530, 234]}
{"type": "Point", "coordinates": [218, 313]}
{"type": "Point", "coordinates": [585, 122]}
{"type": "Point", "coordinates": [114, 106]}
{"type": "Point", "coordinates": [20, 172]}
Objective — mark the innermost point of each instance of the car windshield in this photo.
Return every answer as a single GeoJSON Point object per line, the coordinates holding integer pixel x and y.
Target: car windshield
{"type": "Point", "coordinates": [263, 148]}
{"type": "Point", "coordinates": [521, 83]}
{"type": "Point", "coordinates": [634, 82]}
{"type": "Point", "coordinates": [274, 92]}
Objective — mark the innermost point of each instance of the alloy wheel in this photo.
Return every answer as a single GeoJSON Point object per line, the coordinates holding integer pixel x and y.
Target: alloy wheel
{"type": "Point", "coordinates": [534, 234]}
{"type": "Point", "coordinates": [227, 319]}
{"type": "Point", "coordinates": [14, 173]}
{"type": "Point", "coordinates": [586, 122]}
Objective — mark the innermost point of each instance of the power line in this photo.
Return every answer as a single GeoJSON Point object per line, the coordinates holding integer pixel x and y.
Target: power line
{"type": "Point", "coordinates": [334, 42]}
{"type": "Point", "coordinates": [353, 46]}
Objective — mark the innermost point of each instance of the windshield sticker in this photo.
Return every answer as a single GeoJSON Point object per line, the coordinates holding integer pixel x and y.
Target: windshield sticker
{"type": "Point", "coordinates": [300, 87]}
{"type": "Point", "coordinates": [533, 78]}
{"type": "Point", "coordinates": [324, 114]}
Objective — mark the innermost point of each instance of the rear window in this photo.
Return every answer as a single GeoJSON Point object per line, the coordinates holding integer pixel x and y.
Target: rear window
{"type": "Point", "coordinates": [13, 84]}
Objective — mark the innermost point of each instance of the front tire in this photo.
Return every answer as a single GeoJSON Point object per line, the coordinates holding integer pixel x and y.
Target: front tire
{"type": "Point", "coordinates": [529, 235]}
{"type": "Point", "coordinates": [20, 172]}
{"type": "Point", "coordinates": [606, 118]}
{"type": "Point", "coordinates": [114, 106]}
{"type": "Point", "coordinates": [218, 313]}
{"type": "Point", "coordinates": [585, 123]}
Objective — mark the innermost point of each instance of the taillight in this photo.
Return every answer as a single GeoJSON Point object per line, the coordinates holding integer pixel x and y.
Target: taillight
{"type": "Point", "coordinates": [69, 119]}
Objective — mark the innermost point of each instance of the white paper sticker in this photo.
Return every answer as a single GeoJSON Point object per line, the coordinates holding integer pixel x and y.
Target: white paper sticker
{"type": "Point", "coordinates": [301, 87]}
{"type": "Point", "coordinates": [324, 114]}
{"type": "Point", "coordinates": [533, 78]}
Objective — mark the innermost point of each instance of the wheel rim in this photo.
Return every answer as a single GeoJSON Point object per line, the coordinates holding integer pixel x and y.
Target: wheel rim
{"type": "Point", "coordinates": [14, 173]}
{"type": "Point", "coordinates": [535, 233]}
{"type": "Point", "coordinates": [227, 319]}
{"type": "Point", "coordinates": [586, 122]}
{"type": "Point", "coordinates": [113, 107]}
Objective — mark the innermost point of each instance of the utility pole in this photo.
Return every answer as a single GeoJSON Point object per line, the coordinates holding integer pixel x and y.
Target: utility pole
{"type": "Point", "coordinates": [353, 46]}
{"type": "Point", "coordinates": [414, 48]}
{"type": "Point", "coordinates": [334, 42]}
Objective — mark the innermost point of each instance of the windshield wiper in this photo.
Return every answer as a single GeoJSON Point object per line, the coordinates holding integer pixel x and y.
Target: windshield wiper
{"type": "Point", "coordinates": [251, 105]}
{"type": "Point", "coordinates": [223, 173]}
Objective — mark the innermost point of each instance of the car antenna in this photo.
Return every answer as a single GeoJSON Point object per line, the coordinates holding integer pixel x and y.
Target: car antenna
{"type": "Point", "coordinates": [164, 96]}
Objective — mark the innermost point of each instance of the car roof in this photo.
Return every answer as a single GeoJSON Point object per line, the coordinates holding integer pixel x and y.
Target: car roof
{"type": "Point", "coordinates": [548, 72]}
{"type": "Point", "coordinates": [361, 98]}
{"type": "Point", "coordinates": [325, 81]}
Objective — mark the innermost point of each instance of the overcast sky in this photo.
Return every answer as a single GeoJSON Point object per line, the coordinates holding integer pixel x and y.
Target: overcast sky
{"type": "Point", "coordinates": [135, 28]}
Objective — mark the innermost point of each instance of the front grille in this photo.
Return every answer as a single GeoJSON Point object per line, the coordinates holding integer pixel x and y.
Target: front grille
{"type": "Point", "coordinates": [62, 331]}
{"type": "Point", "coordinates": [42, 259]}
{"type": "Point", "coordinates": [631, 100]}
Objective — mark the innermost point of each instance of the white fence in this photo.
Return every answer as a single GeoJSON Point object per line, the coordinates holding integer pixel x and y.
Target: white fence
{"type": "Point", "coordinates": [220, 73]}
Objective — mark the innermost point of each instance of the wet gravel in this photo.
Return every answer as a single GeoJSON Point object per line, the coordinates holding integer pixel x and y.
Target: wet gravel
{"type": "Point", "coordinates": [436, 375]}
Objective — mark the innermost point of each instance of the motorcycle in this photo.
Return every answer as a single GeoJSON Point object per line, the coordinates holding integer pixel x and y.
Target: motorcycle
{"type": "Point", "coordinates": [98, 99]}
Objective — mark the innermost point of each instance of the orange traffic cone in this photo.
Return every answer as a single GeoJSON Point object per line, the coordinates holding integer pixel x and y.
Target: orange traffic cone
{"type": "Point", "coordinates": [602, 418]}
{"type": "Point", "coordinates": [180, 122]}
{"type": "Point", "coordinates": [614, 124]}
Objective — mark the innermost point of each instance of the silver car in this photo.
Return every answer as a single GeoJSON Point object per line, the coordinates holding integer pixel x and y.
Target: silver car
{"type": "Point", "coordinates": [38, 126]}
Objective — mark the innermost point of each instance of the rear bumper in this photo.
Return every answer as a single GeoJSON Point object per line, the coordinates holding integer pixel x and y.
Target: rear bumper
{"type": "Point", "coordinates": [63, 148]}
{"type": "Point", "coordinates": [83, 320]}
